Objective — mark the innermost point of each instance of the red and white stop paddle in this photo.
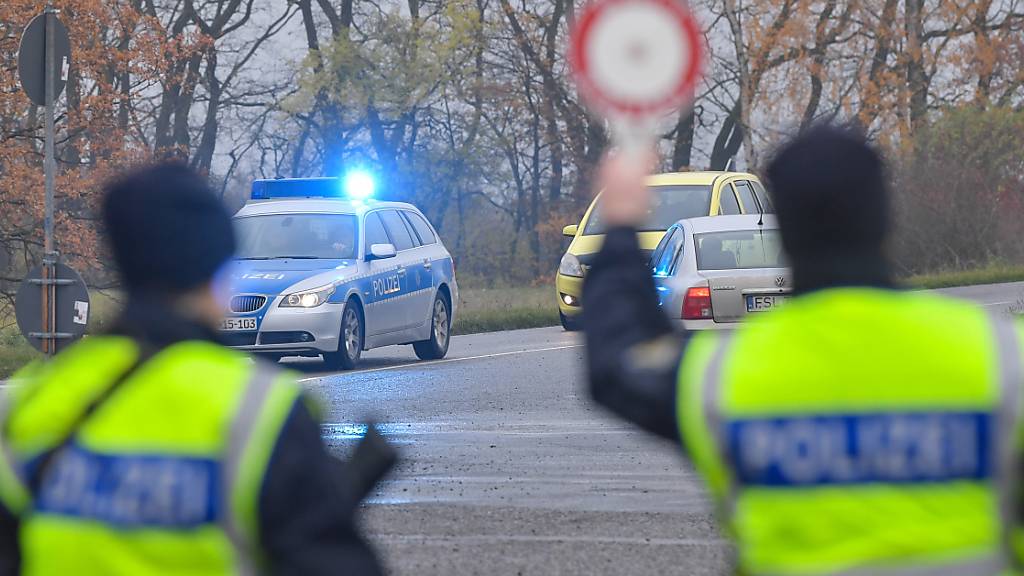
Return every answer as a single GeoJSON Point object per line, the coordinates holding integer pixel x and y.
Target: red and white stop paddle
{"type": "Point", "coordinates": [636, 61]}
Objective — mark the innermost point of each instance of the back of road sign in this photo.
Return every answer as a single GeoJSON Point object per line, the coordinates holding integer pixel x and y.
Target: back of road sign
{"type": "Point", "coordinates": [71, 306]}
{"type": "Point", "coordinates": [32, 58]}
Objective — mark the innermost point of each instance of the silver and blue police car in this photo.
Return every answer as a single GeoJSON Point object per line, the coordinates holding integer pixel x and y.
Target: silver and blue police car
{"type": "Point", "coordinates": [323, 270]}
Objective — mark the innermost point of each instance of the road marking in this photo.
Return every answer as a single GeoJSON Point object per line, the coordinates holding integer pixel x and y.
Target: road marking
{"type": "Point", "coordinates": [669, 479]}
{"type": "Point", "coordinates": [444, 361]}
{"type": "Point", "coordinates": [998, 303]}
{"type": "Point", "coordinates": [487, 539]}
{"type": "Point", "coordinates": [356, 430]}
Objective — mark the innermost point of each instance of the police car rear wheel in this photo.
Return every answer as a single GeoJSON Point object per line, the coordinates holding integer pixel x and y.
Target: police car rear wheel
{"type": "Point", "coordinates": [440, 331]}
{"type": "Point", "coordinates": [350, 341]}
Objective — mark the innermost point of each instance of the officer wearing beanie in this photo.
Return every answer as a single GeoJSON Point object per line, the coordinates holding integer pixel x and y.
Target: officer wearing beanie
{"type": "Point", "coordinates": [857, 430]}
{"type": "Point", "coordinates": [152, 449]}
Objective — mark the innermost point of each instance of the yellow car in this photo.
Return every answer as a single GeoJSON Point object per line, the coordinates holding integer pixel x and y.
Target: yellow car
{"type": "Point", "coordinates": [676, 196]}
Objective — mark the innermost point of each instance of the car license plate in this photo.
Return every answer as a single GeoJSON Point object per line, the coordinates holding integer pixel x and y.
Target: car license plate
{"type": "Point", "coordinates": [233, 324]}
{"type": "Point", "coordinates": [764, 303]}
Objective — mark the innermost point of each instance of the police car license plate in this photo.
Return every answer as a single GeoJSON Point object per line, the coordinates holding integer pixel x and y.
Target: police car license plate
{"type": "Point", "coordinates": [764, 303]}
{"type": "Point", "coordinates": [232, 324]}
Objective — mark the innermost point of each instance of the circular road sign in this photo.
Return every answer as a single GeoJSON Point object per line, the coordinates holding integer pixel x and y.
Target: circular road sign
{"type": "Point", "coordinates": [72, 307]}
{"type": "Point", "coordinates": [32, 58]}
{"type": "Point", "coordinates": [636, 58]}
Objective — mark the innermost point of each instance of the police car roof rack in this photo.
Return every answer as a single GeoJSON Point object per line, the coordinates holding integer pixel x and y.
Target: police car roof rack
{"type": "Point", "coordinates": [324, 187]}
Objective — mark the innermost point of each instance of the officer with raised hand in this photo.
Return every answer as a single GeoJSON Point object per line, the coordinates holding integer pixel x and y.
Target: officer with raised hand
{"type": "Point", "coordinates": [154, 450]}
{"type": "Point", "coordinates": [857, 430]}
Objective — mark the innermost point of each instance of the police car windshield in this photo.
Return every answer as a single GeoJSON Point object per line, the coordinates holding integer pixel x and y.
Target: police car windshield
{"type": "Point", "coordinates": [669, 204]}
{"type": "Point", "coordinates": [302, 236]}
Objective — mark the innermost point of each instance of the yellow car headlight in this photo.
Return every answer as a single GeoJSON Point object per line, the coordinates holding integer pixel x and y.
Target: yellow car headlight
{"type": "Point", "coordinates": [570, 266]}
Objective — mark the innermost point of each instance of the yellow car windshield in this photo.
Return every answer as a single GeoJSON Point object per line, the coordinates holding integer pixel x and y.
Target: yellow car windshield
{"type": "Point", "coordinates": [669, 204]}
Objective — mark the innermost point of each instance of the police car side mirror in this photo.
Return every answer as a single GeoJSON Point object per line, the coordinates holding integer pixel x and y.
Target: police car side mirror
{"type": "Point", "coordinates": [570, 230]}
{"type": "Point", "coordinates": [382, 251]}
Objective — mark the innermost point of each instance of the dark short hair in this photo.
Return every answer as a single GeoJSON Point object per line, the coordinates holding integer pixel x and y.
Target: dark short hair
{"type": "Point", "coordinates": [168, 231]}
{"type": "Point", "coordinates": [830, 191]}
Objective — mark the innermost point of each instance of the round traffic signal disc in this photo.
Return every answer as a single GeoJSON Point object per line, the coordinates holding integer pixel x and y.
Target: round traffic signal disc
{"type": "Point", "coordinates": [636, 58]}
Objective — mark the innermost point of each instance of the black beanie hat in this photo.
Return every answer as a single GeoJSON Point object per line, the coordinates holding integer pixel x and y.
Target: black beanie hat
{"type": "Point", "coordinates": [829, 190]}
{"type": "Point", "coordinates": [168, 231]}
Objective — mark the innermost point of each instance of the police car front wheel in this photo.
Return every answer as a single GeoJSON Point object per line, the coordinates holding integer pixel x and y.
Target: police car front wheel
{"type": "Point", "coordinates": [350, 339]}
{"type": "Point", "coordinates": [440, 331]}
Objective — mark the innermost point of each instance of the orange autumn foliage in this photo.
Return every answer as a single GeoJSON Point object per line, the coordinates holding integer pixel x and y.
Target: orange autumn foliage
{"type": "Point", "coordinates": [119, 54]}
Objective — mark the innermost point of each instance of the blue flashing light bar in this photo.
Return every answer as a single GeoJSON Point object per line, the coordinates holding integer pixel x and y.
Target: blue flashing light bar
{"type": "Point", "coordinates": [359, 185]}
{"type": "Point", "coordinates": [296, 188]}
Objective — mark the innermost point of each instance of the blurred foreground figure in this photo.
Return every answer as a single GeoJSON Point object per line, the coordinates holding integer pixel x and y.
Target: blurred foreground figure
{"type": "Point", "coordinates": [153, 450]}
{"type": "Point", "coordinates": [857, 430]}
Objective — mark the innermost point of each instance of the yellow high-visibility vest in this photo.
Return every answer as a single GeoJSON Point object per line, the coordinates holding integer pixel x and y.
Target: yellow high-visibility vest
{"type": "Point", "coordinates": [163, 478]}
{"type": "Point", "coordinates": [861, 431]}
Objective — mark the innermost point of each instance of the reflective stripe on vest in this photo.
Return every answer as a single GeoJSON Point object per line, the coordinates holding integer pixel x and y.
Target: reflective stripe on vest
{"type": "Point", "coordinates": [1011, 378]}
{"type": "Point", "coordinates": [238, 440]}
{"type": "Point", "coordinates": [713, 416]}
{"type": "Point", "coordinates": [985, 565]}
{"type": "Point", "coordinates": [719, 428]}
{"type": "Point", "coordinates": [990, 565]}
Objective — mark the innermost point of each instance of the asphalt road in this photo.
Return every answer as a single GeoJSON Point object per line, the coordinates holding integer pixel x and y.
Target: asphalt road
{"type": "Point", "coordinates": [508, 469]}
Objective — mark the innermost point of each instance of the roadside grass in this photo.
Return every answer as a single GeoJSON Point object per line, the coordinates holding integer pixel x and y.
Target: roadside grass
{"type": "Point", "coordinates": [15, 351]}
{"type": "Point", "coordinates": [491, 309]}
{"type": "Point", "coordinates": [993, 274]}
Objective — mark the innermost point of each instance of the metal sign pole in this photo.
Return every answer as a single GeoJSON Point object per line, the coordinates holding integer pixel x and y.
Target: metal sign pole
{"type": "Point", "coordinates": [49, 167]}
{"type": "Point", "coordinates": [53, 296]}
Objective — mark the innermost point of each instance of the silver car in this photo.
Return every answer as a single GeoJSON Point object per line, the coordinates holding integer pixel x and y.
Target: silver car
{"type": "Point", "coordinates": [711, 272]}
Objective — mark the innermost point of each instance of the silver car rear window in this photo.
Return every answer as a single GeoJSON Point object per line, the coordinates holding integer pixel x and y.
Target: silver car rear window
{"type": "Point", "coordinates": [739, 250]}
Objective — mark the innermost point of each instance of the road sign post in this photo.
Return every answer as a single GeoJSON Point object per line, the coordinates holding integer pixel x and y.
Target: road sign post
{"type": "Point", "coordinates": [67, 301]}
{"type": "Point", "coordinates": [44, 51]}
{"type": "Point", "coordinates": [636, 61]}
{"type": "Point", "coordinates": [49, 262]}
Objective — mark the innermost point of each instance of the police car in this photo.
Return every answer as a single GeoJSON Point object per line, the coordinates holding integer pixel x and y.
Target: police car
{"type": "Point", "coordinates": [323, 270]}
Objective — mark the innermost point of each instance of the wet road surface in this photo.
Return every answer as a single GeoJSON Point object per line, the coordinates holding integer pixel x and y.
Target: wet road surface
{"type": "Point", "coordinates": [508, 469]}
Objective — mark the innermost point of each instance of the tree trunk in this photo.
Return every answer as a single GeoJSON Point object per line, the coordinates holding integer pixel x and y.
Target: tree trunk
{"type": "Point", "coordinates": [728, 141]}
{"type": "Point", "coordinates": [982, 44]}
{"type": "Point", "coordinates": [683, 147]}
{"type": "Point", "coordinates": [182, 138]}
{"type": "Point", "coordinates": [917, 76]}
{"type": "Point", "coordinates": [203, 157]}
{"type": "Point", "coordinates": [871, 100]}
{"type": "Point", "coordinates": [822, 39]}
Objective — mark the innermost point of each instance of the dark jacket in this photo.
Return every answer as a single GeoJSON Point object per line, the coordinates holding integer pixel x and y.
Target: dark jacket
{"type": "Point", "coordinates": [633, 353]}
{"type": "Point", "coordinates": [307, 505]}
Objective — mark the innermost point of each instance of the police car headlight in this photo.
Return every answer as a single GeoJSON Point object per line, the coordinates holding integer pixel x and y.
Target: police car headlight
{"type": "Point", "coordinates": [570, 266]}
{"type": "Point", "coordinates": [308, 298]}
